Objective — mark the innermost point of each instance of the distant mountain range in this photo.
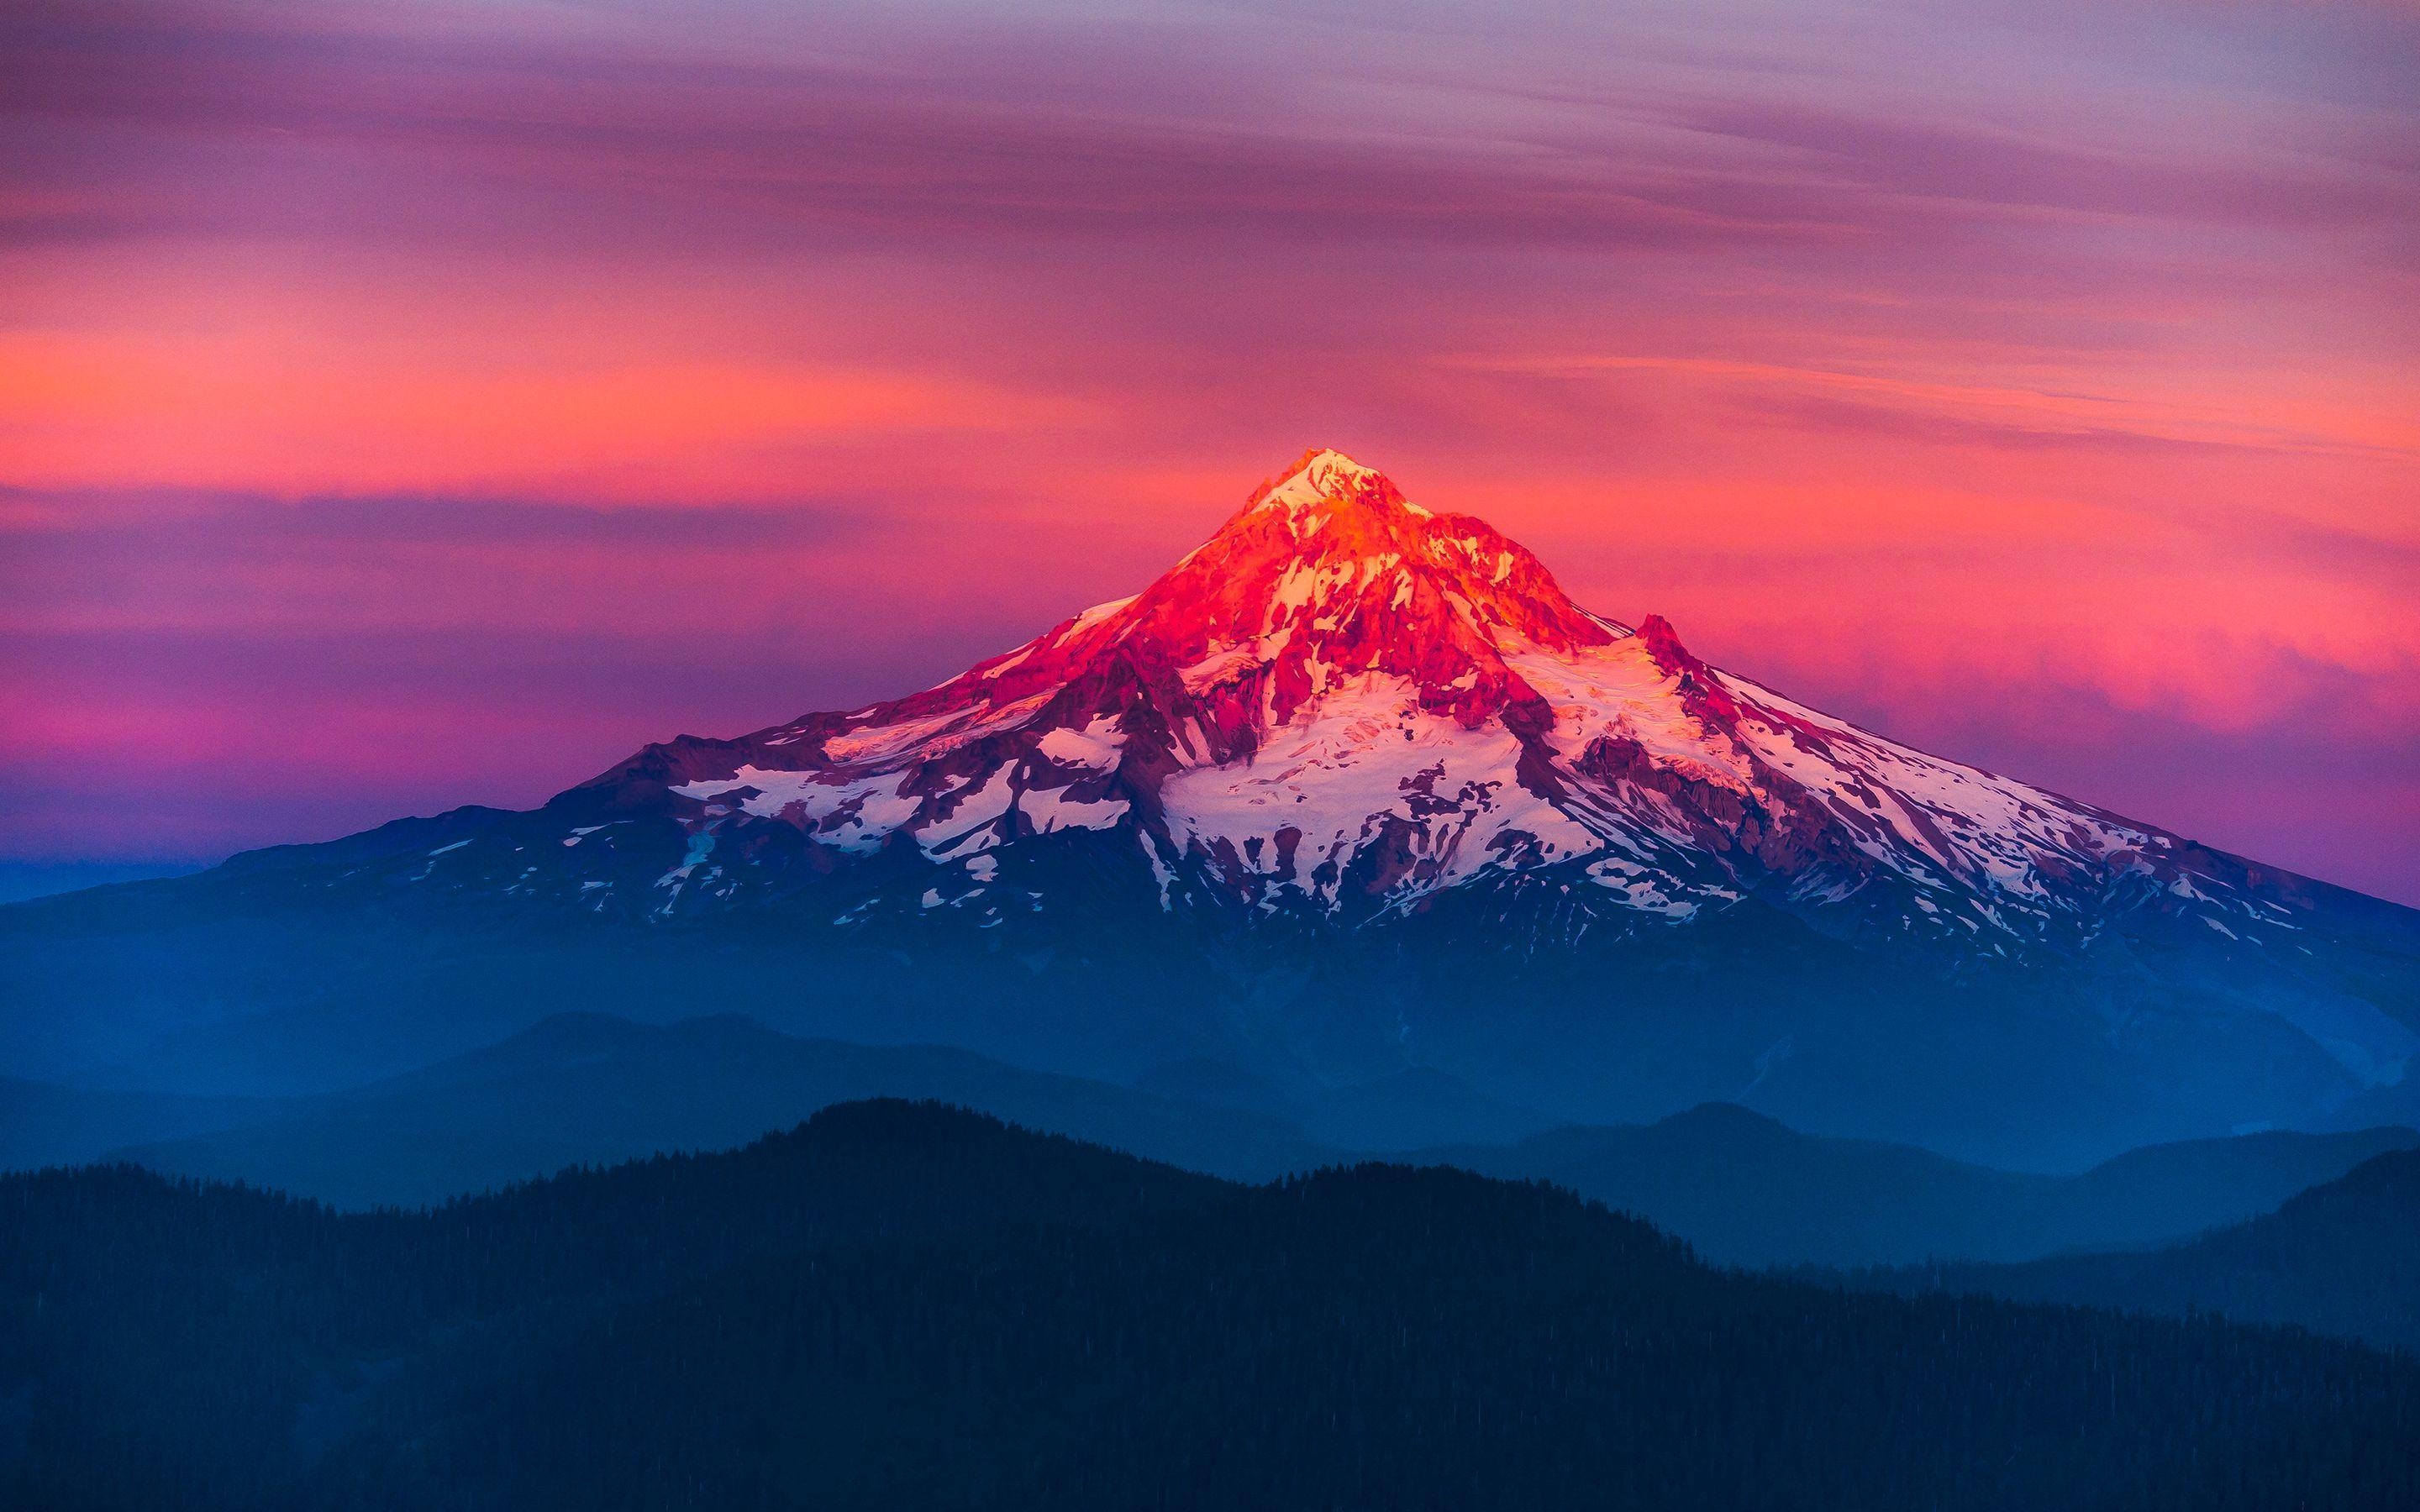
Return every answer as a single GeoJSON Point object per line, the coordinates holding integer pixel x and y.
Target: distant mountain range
{"type": "Point", "coordinates": [2343, 1257]}
{"type": "Point", "coordinates": [590, 1090]}
{"type": "Point", "coordinates": [1354, 796]}
{"type": "Point", "coordinates": [1745, 1190]}
{"type": "Point", "coordinates": [904, 1306]}
{"type": "Point", "coordinates": [42, 1124]}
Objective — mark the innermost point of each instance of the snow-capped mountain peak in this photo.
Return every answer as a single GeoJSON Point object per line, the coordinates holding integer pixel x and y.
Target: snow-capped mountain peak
{"type": "Point", "coordinates": [1326, 479]}
{"type": "Point", "coordinates": [1343, 705]}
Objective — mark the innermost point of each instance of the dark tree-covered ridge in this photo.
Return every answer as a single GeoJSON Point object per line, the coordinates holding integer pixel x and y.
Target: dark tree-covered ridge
{"type": "Point", "coordinates": [901, 1305]}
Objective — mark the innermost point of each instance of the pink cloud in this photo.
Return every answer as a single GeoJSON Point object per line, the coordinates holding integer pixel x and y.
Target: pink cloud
{"type": "Point", "coordinates": [469, 395]}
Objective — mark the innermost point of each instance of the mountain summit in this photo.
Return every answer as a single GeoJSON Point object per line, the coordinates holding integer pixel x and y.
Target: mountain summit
{"type": "Point", "coordinates": [1343, 703]}
{"type": "Point", "coordinates": [1355, 787]}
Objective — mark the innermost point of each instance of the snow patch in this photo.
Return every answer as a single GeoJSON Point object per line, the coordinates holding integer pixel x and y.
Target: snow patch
{"type": "Point", "coordinates": [854, 814]}
{"type": "Point", "coordinates": [1095, 747]}
{"type": "Point", "coordinates": [1218, 668]}
{"type": "Point", "coordinates": [932, 735]}
{"type": "Point", "coordinates": [1049, 809]}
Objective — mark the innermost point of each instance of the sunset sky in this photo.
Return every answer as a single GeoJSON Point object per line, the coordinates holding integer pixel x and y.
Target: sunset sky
{"type": "Point", "coordinates": [407, 405]}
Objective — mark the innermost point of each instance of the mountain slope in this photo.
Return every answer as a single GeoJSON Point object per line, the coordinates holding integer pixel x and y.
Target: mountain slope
{"type": "Point", "coordinates": [1743, 1190]}
{"type": "Point", "coordinates": [907, 1306]}
{"type": "Point", "coordinates": [1385, 799]}
{"type": "Point", "coordinates": [2343, 1257]}
{"type": "Point", "coordinates": [42, 1124]}
{"type": "Point", "coordinates": [585, 1089]}
{"type": "Point", "coordinates": [172, 1344]}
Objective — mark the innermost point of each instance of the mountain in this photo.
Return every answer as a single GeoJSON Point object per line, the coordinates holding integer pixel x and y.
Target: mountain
{"type": "Point", "coordinates": [1743, 1190]}
{"type": "Point", "coordinates": [1354, 790]}
{"type": "Point", "coordinates": [2343, 1257]}
{"type": "Point", "coordinates": [44, 1124]}
{"type": "Point", "coordinates": [173, 1344]}
{"type": "Point", "coordinates": [587, 1089]}
{"type": "Point", "coordinates": [902, 1306]}
{"type": "Point", "coordinates": [2396, 1101]}
{"type": "Point", "coordinates": [1387, 1115]}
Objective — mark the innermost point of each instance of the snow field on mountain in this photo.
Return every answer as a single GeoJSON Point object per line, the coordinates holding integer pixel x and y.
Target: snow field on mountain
{"type": "Point", "coordinates": [1354, 764]}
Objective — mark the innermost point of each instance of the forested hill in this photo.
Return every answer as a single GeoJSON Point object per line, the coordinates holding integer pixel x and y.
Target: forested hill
{"type": "Point", "coordinates": [901, 1305]}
